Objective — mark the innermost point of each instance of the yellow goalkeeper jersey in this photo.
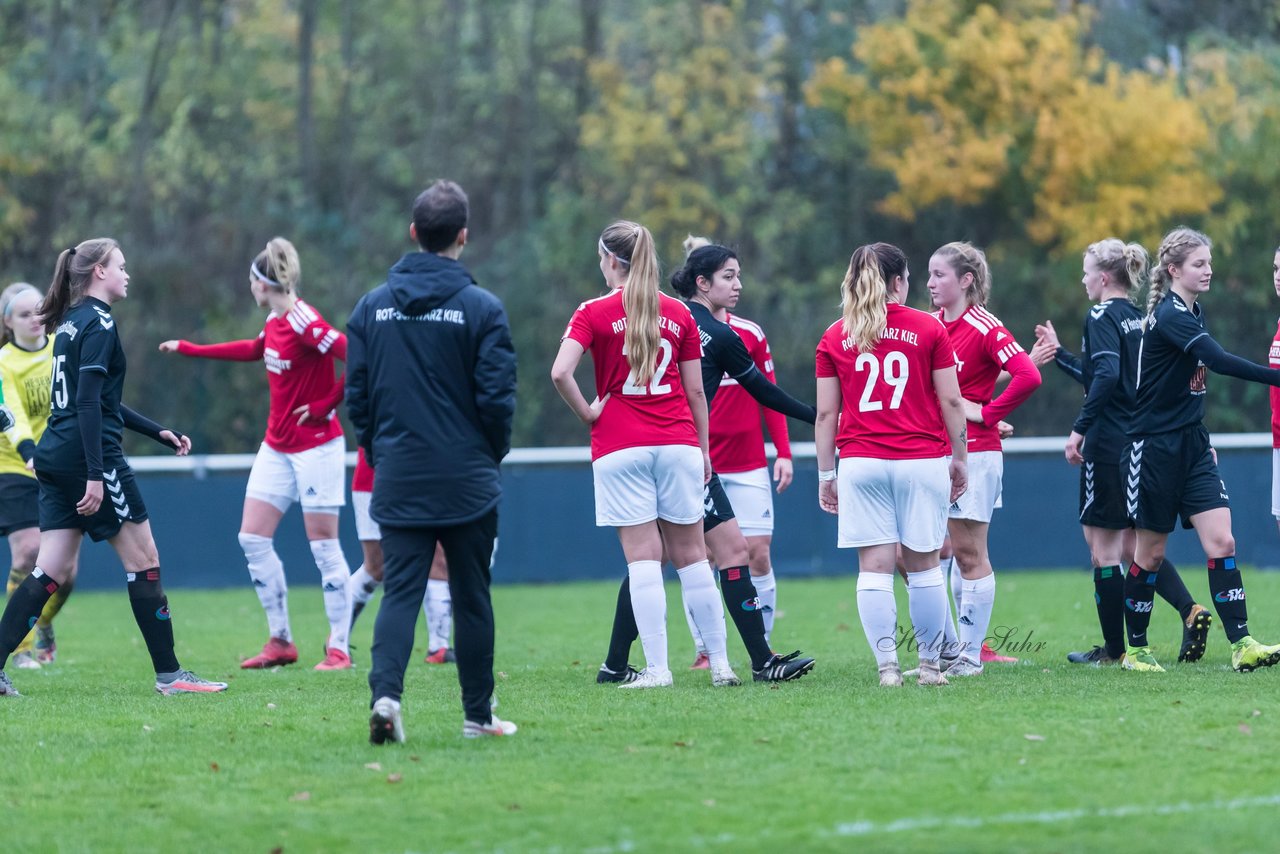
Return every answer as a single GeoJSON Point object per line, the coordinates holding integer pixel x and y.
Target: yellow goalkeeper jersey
{"type": "Point", "coordinates": [25, 375]}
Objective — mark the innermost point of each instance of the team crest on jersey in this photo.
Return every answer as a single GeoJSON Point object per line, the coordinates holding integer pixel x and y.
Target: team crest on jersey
{"type": "Point", "coordinates": [1198, 380]}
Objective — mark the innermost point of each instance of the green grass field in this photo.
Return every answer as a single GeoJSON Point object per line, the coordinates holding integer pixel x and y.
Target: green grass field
{"type": "Point", "coordinates": [1041, 754]}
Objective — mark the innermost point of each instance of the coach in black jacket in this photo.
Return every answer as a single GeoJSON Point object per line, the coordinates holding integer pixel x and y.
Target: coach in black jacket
{"type": "Point", "coordinates": [431, 384]}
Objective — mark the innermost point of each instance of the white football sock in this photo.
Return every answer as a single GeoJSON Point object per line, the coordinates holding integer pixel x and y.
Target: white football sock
{"type": "Point", "coordinates": [267, 573]}
{"type": "Point", "coordinates": [767, 592]}
{"type": "Point", "coordinates": [950, 639]}
{"type": "Point", "coordinates": [975, 615]}
{"type": "Point", "coordinates": [437, 605]}
{"type": "Point", "coordinates": [698, 645]}
{"type": "Point", "coordinates": [879, 614]}
{"type": "Point", "coordinates": [334, 574]}
{"type": "Point", "coordinates": [362, 586]}
{"type": "Point", "coordinates": [957, 582]}
{"type": "Point", "coordinates": [649, 604]}
{"type": "Point", "coordinates": [698, 586]}
{"type": "Point", "coordinates": [927, 603]}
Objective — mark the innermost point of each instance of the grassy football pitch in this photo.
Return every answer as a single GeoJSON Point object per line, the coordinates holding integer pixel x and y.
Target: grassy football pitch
{"type": "Point", "coordinates": [1040, 755]}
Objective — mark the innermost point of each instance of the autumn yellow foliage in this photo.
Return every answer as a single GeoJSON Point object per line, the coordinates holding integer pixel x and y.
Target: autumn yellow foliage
{"type": "Point", "coordinates": [964, 104]}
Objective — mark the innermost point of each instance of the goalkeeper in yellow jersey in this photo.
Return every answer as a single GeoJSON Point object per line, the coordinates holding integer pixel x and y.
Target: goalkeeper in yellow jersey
{"type": "Point", "coordinates": [25, 370]}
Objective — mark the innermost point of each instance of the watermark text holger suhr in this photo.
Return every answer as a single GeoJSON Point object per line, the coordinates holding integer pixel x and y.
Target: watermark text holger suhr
{"type": "Point", "coordinates": [1003, 639]}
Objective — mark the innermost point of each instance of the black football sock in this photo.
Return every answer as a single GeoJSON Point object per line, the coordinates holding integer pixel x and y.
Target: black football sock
{"type": "Point", "coordinates": [1108, 592]}
{"type": "Point", "coordinates": [1173, 590]}
{"type": "Point", "coordinates": [624, 629]}
{"type": "Point", "coordinates": [743, 605]}
{"type": "Point", "coordinates": [1227, 589]}
{"type": "Point", "coordinates": [23, 610]}
{"type": "Point", "coordinates": [151, 611]}
{"type": "Point", "coordinates": [1139, 596]}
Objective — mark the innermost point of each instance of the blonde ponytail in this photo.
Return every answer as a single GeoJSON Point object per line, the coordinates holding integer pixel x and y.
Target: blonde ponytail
{"type": "Point", "coordinates": [278, 265]}
{"type": "Point", "coordinates": [864, 293]}
{"type": "Point", "coordinates": [633, 245]}
{"type": "Point", "coordinates": [1125, 263]}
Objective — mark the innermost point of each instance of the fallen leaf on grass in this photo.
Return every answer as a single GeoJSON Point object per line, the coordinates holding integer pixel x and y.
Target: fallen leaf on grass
{"type": "Point", "coordinates": [271, 705]}
{"type": "Point", "coordinates": [1257, 713]}
{"type": "Point", "coordinates": [843, 627]}
{"type": "Point", "coordinates": [1031, 736]}
{"type": "Point", "coordinates": [146, 728]}
{"type": "Point", "coordinates": [513, 807]}
{"type": "Point", "coordinates": [1246, 729]}
{"type": "Point", "coordinates": [300, 796]}
{"type": "Point", "coordinates": [631, 749]}
{"type": "Point", "coordinates": [373, 766]}
{"type": "Point", "coordinates": [502, 675]}
{"type": "Point", "coordinates": [213, 766]}
{"type": "Point", "coordinates": [394, 778]}
{"type": "Point", "coordinates": [415, 758]}
{"type": "Point", "coordinates": [709, 802]}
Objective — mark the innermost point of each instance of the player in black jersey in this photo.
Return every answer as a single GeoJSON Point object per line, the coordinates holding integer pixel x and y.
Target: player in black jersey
{"type": "Point", "coordinates": [86, 484]}
{"type": "Point", "coordinates": [710, 285]}
{"type": "Point", "coordinates": [1172, 468]}
{"type": "Point", "coordinates": [1107, 367]}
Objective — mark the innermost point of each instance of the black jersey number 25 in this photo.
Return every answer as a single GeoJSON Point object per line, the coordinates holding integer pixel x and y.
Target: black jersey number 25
{"type": "Point", "coordinates": [59, 383]}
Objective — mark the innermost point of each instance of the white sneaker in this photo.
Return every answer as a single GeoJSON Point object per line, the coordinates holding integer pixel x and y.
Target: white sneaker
{"type": "Point", "coordinates": [891, 676]}
{"type": "Point", "coordinates": [495, 726]}
{"type": "Point", "coordinates": [385, 724]}
{"type": "Point", "coordinates": [25, 661]}
{"type": "Point", "coordinates": [723, 677]}
{"type": "Point", "coordinates": [964, 667]}
{"type": "Point", "coordinates": [649, 679]}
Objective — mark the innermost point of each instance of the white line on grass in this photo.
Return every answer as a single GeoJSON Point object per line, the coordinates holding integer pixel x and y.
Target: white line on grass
{"type": "Point", "coordinates": [869, 828]}
{"type": "Point", "coordinates": [906, 825]}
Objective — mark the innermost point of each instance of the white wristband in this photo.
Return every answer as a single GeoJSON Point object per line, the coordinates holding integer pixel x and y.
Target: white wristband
{"type": "Point", "coordinates": [826, 476]}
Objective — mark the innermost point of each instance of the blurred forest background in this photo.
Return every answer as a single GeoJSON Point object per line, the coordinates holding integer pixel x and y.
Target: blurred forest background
{"type": "Point", "coordinates": [794, 130]}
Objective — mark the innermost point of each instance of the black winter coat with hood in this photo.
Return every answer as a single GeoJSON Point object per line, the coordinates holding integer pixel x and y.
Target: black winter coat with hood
{"type": "Point", "coordinates": [431, 391]}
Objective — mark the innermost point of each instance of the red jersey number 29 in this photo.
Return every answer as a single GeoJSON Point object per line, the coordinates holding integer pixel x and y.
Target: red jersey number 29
{"type": "Point", "coordinates": [894, 373]}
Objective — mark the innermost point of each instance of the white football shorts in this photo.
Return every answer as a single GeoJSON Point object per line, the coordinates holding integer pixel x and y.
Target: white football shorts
{"type": "Point", "coordinates": [366, 528]}
{"type": "Point", "coordinates": [893, 501]}
{"type": "Point", "coordinates": [1275, 483]}
{"type": "Point", "coordinates": [638, 485]}
{"type": "Point", "coordinates": [751, 494]}
{"type": "Point", "coordinates": [986, 482]}
{"type": "Point", "coordinates": [317, 478]}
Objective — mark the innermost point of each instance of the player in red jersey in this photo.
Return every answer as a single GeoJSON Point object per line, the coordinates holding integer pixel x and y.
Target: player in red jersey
{"type": "Point", "coordinates": [301, 458]}
{"type": "Point", "coordinates": [437, 603]}
{"type": "Point", "coordinates": [959, 284]}
{"type": "Point", "coordinates": [648, 442]}
{"type": "Point", "coordinates": [889, 398]}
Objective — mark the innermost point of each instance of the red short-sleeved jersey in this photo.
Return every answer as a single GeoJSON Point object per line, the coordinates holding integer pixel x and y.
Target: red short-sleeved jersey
{"type": "Point", "coordinates": [362, 479]}
{"type": "Point", "coordinates": [299, 350]}
{"type": "Point", "coordinates": [637, 416]}
{"type": "Point", "coordinates": [889, 408]}
{"type": "Point", "coordinates": [982, 347]}
{"type": "Point", "coordinates": [1274, 361]}
{"type": "Point", "coordinates": [737, 442]}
